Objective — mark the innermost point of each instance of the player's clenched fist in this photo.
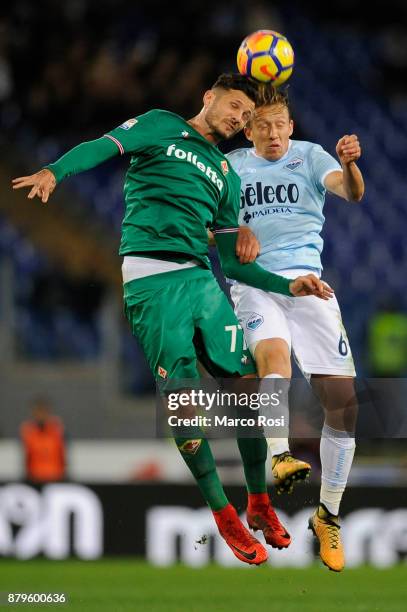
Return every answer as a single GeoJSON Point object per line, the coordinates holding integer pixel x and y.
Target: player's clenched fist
{"type": "Point", "coordinates": [310, 285]}
{"type": "Point", "coordinates": [43, 184]}
{"type": "Point", "coordinates": [348, 149]}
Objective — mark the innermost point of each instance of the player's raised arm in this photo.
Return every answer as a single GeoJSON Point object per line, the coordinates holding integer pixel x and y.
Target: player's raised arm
{"type": "Point", "coordinates": [349, 183]}
{"type": "Point", "coordinates": [83, 157]}
{"type": "Point", "coordinates": [254, 275]}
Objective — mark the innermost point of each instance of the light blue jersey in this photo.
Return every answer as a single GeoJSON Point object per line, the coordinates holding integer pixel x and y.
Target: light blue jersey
{"type": "Point", "coordinates": [282, 202]}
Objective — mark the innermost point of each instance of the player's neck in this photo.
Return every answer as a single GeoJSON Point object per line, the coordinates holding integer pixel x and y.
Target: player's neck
{"type": "Point", "coordinates": [199, 124]}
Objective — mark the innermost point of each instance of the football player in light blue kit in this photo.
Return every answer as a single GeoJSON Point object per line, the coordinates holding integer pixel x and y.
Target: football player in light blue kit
{"type": "Point", "coordinates": [283, 189]}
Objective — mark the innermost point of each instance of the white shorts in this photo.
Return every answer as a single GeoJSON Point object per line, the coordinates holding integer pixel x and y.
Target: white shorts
{"type": "Point", "coordinates": [312, 328]}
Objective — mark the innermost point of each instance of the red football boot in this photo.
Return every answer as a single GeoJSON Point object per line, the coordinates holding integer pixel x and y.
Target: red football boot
{"type": "Point", "coordinates": [261, 515]}
{"type": "Point", "coordinates": [243, 545]}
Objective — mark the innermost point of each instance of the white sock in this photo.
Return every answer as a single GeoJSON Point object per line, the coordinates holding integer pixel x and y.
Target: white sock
{"type": "Point", "coordinates": [279, 445]}
{"type": "Point", "coordinates": [336, 450]}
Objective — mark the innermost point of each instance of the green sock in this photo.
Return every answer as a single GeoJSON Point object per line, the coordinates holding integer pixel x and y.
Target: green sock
{"type": "Point", "coordinates": [198, 456]}
{"type": "Point", "coordinates": [254, 455]}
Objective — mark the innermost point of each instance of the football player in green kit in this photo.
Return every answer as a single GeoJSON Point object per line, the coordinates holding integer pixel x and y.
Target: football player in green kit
{"type": "Point", "coordinates": [178, 186]}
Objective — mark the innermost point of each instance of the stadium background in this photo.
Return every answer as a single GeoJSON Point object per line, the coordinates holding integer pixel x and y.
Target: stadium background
{"type": "Point", "coordinates": [69, 72]}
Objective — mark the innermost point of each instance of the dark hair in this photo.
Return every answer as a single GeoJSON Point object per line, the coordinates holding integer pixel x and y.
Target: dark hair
{"type": "Point", "coordinates": [234, 80]}
{"type": "Point", "coordinates": [262, 94]}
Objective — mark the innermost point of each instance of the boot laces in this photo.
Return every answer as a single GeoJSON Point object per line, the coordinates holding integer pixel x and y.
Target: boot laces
{"type": "Point", "coordinates": [333, 535]}
{"type": "Point", "coordinates": [284, 457]}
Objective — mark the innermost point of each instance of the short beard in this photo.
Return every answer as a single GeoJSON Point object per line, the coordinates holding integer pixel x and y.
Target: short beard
{"type": "Point", "coordinates": [216, 134]}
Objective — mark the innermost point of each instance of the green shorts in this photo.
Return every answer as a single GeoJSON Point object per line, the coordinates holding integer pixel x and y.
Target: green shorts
{"type": "Point", "coordinates": [184, 316]}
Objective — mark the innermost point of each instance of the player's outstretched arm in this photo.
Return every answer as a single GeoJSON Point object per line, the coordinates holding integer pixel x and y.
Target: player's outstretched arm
{"type": "Point", "coordinates": [254, 275]}
{"type": "Point", "coordinates": [83, 157]}
{"type": "Point", "coordinates": [349, 183]}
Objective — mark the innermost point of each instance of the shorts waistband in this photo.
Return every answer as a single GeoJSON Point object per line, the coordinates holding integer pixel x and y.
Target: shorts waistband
{"type": "Point", "coordinates": [162, 280]}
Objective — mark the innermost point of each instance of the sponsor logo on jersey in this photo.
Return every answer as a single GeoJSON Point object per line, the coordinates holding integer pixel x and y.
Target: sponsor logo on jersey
{"type": "Point", "coordinates": [254, 321]}
{"type": "Point", "coordinates": [162, 372]}
{"type": "Point", "coordinates": [265, 212]}
{"type": "Point", "coordinates": [192, 158]}
{"type": "Point", "coordinates": [294, 163]}
{"type": "Point", "coordinates": [128, 124]}
{"type": "Point", "coordinates": [253, 194]}
{"type": "Point", "coordinates": [224, 166]}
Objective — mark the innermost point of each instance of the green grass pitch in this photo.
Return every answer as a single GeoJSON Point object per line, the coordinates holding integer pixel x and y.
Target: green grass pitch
{"type": "Point", "coordinates": [132, 585]}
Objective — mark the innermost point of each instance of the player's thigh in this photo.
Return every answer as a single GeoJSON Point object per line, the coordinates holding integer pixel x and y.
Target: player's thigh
{"type": "Point", "coordinates": [262, 315]}
{"type": "Point", "coordinates": [219, 337]}
{"type": "Point", "coordinates": [161, 319]}
{"type": "Point", "coordinates": [319, 338]}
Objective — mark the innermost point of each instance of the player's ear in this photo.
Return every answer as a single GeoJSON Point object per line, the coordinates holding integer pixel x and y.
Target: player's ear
{"type": "Point", "coordinates": [291, 127]}
{"type": "Point", "coordinates": [248, 133]}
{"type": "Point", "coordinates": [208, 97]}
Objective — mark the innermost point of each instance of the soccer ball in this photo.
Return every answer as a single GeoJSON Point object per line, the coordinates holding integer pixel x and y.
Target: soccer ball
{"type": "Point", "coordinates": [266, 56]}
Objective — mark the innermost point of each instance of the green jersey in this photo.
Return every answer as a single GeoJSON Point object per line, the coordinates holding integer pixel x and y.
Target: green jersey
{"type": "Point", "coordinates": [178, 185]}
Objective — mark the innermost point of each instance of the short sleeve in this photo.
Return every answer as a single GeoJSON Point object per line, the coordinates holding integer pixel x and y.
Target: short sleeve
{"type": "Point", "coordinates": [322, 164]}
{"type": "Point", "coordinates": [136, 134]}
{"type": "Point", "coordinates": [227, 218]}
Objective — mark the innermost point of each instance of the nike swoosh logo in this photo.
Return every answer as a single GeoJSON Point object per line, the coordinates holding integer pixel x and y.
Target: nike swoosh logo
{"type": "Point", "coordinates": [246, 555]}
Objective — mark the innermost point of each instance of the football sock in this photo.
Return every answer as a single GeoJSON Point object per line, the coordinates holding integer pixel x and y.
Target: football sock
{"type": "Point", "coordinates": [278, 446]}
{"type": "Point", "coordinates": [254, 455]}
{"type": "Point", "coordinates": [336, 450]}
{"type": "Point", "coordinates": [198, 456]}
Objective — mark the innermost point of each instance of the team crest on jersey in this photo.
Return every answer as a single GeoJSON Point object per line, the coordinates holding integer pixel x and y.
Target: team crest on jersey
{"type": "Point", "coordinates": [162, 372]}
{"type": "Point", "coordinates": [254, 321]}
{"type": "Point", "coordinates": [294, 163]}
{"type": "Point", "coordinates": [224, 166]}
{"type": "Point", "coordinates": [128, 124]}
{"type": "Point", "coordinates": [190, 447]}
